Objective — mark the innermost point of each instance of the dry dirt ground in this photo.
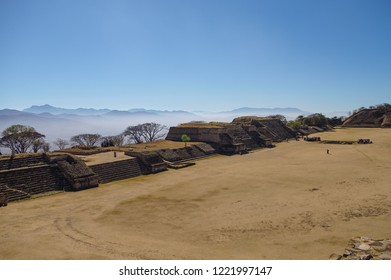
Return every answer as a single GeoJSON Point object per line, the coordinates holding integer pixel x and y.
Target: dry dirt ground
{"type": "Point", "coordinates": [291, 202]}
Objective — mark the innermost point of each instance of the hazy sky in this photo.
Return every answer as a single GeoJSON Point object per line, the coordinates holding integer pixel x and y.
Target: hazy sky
{"type": "Point", "coordinates": [216, 55]}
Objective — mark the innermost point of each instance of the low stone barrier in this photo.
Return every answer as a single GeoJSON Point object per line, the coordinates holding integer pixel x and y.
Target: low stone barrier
{"type": "Point", "coordinates": [364, 248]}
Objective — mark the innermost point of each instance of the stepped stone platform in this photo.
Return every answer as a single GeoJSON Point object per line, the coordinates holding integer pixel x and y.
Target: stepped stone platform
{"type": "Point", "coordinates": [159, 160]}
{"type": "Point", "coordinates": [149, 161]}
{"type": "Point", "coordinates": [206, 149]}
{"type": "Point", "coordinates": [241, 135]}
{"type": "Point", "coordinates": [76, 173]}
{"type": "Point", "coordinates": [271, 128]}
{"type": "Point", "coordinates": [12, 162]}
{"type": "Point", "coordinates": [117, 170]}
{"type": "Point", "coordinates": [12, 194]}
{"type": "Point", "coordinates": [25, 175]}
{"type": "Point", "coordinates": [369, 118]}
{"type": "Point", "coordinates": [31, 180]}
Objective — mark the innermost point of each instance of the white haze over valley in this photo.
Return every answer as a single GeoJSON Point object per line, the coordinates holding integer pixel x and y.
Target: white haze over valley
{"type": "Point", "coordinates": [62, 123]}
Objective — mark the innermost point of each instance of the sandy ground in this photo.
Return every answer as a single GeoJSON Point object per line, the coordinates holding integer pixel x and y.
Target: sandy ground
{"type": "Point", "coordinates": [104, 157]}
{"type": "Point", "coordinates": [290, 202]}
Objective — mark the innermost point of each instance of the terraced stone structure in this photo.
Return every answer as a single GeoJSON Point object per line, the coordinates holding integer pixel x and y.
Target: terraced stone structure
{"type": "Point", "coordinates": [149, 161]}
{"type": "Point", "coordinates": [22, 176]}
{"type": "Point", "coordinates": [369, 118]}
{"type": "Point", "coordinates": [243, 134]}
{"type": "Point", "coordinates": [77, 174]}
{"type": "Point", "coordinates": [267, 128]}
{"type": "Point", "coordinates": [160, 160]}
{"type": "Point", "coordinates": [116, 170]}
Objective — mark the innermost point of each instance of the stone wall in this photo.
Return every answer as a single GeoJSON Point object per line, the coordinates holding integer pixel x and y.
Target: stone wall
{"type": "Point", "coordinates": [117, 170]}
{"type": "Point", "coordinates": [196, 134]}
{"type": "Point", "coordinates": [159, 160]}
{"type": "Point", "coordinates": [149, 161]}
{"type": "Point", "coordinates": [25, 175]}
{"type": "Point", "coordinates": [11, 162]}
{"type": "Point", "coordinates": [272, 128]}
{"type": "Point", "coordinates": [243, 134]}
{"type": "Point", "coordinates": [12, 194]}
{"type": "Point", "coordinates": [205, 148]}
{"type": "Point", "coordinates": [365, 248]}
{"type": "Point", "coordinates": [33, 180]}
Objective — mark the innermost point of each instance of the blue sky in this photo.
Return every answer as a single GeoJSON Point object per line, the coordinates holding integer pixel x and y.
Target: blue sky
{"type": "Point", "coordinates": [319, 56]}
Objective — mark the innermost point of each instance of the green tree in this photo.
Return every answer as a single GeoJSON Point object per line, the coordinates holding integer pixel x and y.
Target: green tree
{"type": "Point", "coordinates": [185, 138]}
{"type": "Point", "coordinates": [19, 138]}
{"type": "Point", "coordinates": [335, 121]}
{"type": "Point", "coordinates": [278, 116]}
{"type": "Point", "coordinates": [317, 119]}
{"type": "Point", "coordinates": [294, 124]}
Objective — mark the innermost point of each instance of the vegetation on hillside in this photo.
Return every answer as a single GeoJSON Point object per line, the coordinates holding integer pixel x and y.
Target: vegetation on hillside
{"type": "Point", "coordinates": [21, 139]}
{"type": "Point", "coordinates": [318, 120]}
{"type": "Point", "coordinates": [383, 108]}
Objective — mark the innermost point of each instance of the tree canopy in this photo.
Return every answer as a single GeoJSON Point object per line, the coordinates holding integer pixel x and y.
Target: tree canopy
{"type": "Point", "coordinates": [185, 138]}
{"type": "Point", "coordinates": [20, 138]}
{"type": "Point", "coordinates": [61, 143]}
{"type": "Point", "coordinates": [86, 140]}
{"type": "Point", "coordinates": [317, 119]}
{"type": "Point", "coordinates": [146, 132]}
{"type": "Point", "coordinates": [110, 141]}
{"type": "Point", "coordinates": [383, 108]}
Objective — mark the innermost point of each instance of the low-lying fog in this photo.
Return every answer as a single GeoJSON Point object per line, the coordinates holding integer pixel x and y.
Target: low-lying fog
{"type": "Point", "coordinates": [110, 123]}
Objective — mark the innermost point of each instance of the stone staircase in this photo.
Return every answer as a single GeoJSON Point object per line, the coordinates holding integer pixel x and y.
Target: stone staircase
{"type": "Point", "coordinates": [117, 170]}
{"type": "Point", "coordinates": [13, 194]}
{"type": "Point", "coordinates": [31, 180]}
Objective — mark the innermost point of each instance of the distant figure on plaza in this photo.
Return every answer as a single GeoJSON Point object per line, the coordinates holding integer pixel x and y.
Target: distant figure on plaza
{"type": "Point", "coordinates": [328, 151]}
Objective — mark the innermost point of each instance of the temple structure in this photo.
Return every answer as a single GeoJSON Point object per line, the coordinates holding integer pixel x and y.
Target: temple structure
{"type": "Point", "coordinates": [241, 135]}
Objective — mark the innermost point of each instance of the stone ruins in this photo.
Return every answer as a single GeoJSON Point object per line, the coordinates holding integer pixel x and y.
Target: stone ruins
{"type": "Point", "coordinates": [364, 248]}
{"type": "Point", "coordinates": [27, 175]}
{"type": "Point", "coordinates": [241, 135]}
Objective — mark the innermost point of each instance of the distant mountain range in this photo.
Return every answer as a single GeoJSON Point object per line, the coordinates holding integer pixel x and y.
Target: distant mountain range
{"type": "Point", "coordinates": [93, 112]}
{"type": "Point", "coordinates": [63, 123]}
{"type": "Point", "coordinates": [39, 109]}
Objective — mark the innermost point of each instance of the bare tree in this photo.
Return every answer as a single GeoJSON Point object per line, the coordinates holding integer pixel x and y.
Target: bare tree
{"type": "Point", "coordinates": [135, 133]}
{"type": "Point", "coordinates": [46, 147]}
{"type": "Point", "coordinates": [61, 143]}
{"type": "Point", "coordinates": [152, 131]}
{"type": "Point", "coordinates": [117, 140]}
{"type": "Point", "coordinates": [86, 140]}
{"type": "Point", "coordinates": [19, 138]}
{"type": "Point", "coordinates": [146, 132]}
{"type": "Point", "coordinates": [38, 144]}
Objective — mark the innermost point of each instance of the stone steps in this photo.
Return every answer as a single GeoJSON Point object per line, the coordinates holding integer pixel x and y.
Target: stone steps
{"type": "Point", "coordinates": [13, 194]}
{"type": "Point", "coordinates": [117, 170]}
{"type": "Point", "coordinates": [33, 180]}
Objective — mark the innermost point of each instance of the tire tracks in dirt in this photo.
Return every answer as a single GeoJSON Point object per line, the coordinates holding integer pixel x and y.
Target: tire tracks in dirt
{"type": "Point", "coordinates": [112, 250]}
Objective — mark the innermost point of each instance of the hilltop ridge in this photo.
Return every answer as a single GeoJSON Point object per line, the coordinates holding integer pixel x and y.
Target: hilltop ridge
{"type": "Point", "coordinates": [372, 117]}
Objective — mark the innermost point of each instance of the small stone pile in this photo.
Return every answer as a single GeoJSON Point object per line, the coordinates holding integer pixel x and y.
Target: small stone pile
{"type": "Point", "coordinates": [364, 248]}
